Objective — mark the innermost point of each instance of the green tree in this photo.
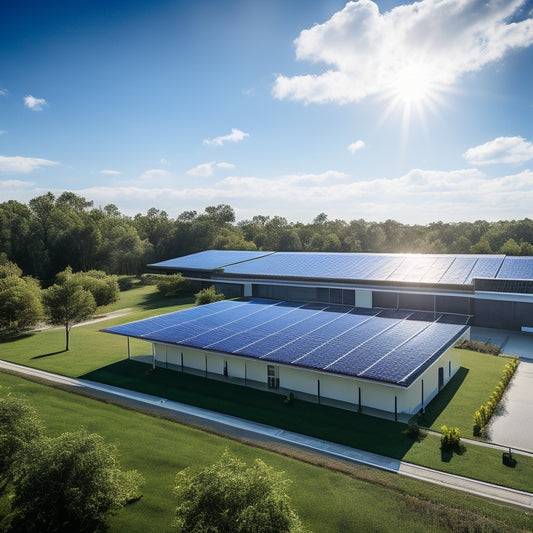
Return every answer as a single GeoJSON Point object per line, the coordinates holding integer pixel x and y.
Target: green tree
{"type": "Point", "coordinates": [510, 247]}
{"type": "Point", "coordinates": [20, 299]}
{"type": "Point", "coordinates": [67, 303]}
{"type": "Point", "coordinates": [208, 296]}
{"type": "Point", "coordinates": [19, 425]}
{"type": "Point", "coordinates": [104, 288]}
{"type": "Point", "coordinates": [69, 483]}
{"type": "Point", "coordinates": [233, 497]}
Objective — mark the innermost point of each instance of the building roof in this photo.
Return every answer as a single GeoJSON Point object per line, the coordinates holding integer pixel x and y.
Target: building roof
{"type": "Point", "coordinates": [381, 345]}
{"type": "Point", "coordinates": [434, 269]}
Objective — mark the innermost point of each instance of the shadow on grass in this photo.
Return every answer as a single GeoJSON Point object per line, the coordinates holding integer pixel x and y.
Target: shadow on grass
{"type": "Point", "coordinates": [441, 401]}
{"type": "Point", "coordinates": [16, 337]}
{"type": "Point", "coordinates": [155, 301]}
{"type": "Point", "coordinates": [350, 428]}
{"type": "Point", "coordinates": [48, 354]}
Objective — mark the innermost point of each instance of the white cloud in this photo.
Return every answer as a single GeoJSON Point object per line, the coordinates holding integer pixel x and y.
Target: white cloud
{"type": "Point", "coordinates": [154, 174]}
{"type": "Point", "coordinates": [204, 170]}
{"type": "Point", "coordinates": [356, 146]}
{"type": "Point", "coordinates": [3, 92]}
{"type": "Point", "coordinates": [110, 172]}
{"type": "Point", "coordinates": [23, 165]}
{"type": "Point", "coordinates": [2, 132]}
{"type": "Point", "coordinates": [368, 52]}
{"type": "Point", "coordinates": [35, 104]}
{"type": "Point", "coordinates": [208, 169]}
{"type": "Point", "coordinates": [235, 136]}
{"type": "Point", "coordinates": [16, 184]}
{"type": "Point", "coordinates": [500, 150]}
{"type": "Point", "coordinates": [164, 161]}
{"type": "Point", "coordinates": [223, 164]}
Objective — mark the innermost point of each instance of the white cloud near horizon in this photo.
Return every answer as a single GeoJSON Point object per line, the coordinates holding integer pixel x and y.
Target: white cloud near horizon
{"type": "Point", "coordinates": [16, 184]}
{"type": "Point", "coordinates": [463, 194]}
{"type": "Point", "coordinates": [356, 146]}
{"type": "Point", "coordinates": [35, 104]}
{"type": "Point", "coordinates": [234, 136]}
{"type": "Point", "coordinates": [367, 51]}
{"type": "Point", "coordinates": [23, 165]}
{"type": "Point", "coordinates": [500, 150]}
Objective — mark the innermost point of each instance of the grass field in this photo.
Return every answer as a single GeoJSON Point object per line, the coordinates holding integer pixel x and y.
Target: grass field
{"type": "Point", "coordinates": [327, 501]}
{"type": "Point", "coordinates": [101, 357]}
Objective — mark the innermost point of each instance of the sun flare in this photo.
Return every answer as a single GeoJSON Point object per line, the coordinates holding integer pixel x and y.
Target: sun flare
{"type": "Point", "coordinates": [413, 84]}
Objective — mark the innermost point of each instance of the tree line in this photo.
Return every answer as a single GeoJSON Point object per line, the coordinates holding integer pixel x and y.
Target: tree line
{"type": "Point", "coordinates": [50, 233]}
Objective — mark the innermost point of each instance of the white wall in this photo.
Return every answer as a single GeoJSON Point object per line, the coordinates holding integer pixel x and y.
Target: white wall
{"type": "Point", "coordinates": [363, 298]}
{"type": "Point", "coordinates": [373, 394]}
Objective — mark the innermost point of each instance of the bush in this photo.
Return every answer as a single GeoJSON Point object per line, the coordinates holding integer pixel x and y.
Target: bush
{"type": "Point", "coordinates": [104, 288]}
{"type": "Point", "coordinates": [414, 431]}
{"type": "Point", "coordinates": [478, 346]}
{"type": "Point", "coordinates": [483, 415]}
{"type": "Point", "coordinates": [208, 295]}
{"type": "Point", "coordinates": [172, 285]}
{"type": "Point", "coordinates": [125, 283]}
{"type": "Point", "coordinates": [450, 440]}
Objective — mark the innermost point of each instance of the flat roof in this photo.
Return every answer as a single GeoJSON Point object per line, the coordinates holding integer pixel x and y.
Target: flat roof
{"type": "Point", "coordinates": [434, 269]}
{"type": "Point", "coordinates": [381, 345]}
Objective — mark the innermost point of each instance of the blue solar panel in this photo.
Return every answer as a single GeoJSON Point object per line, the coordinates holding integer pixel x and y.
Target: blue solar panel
{"type": "Point", "coordinates": [516, 268]}
{"type": "Point", "coordinates": [385, 347]}
{"type": "Point", "coordinates": [486, 267]}
{"type": "Point", "coordinates": [209, 260]}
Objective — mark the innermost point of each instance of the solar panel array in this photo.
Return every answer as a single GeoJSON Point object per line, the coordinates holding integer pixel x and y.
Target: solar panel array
{"type": "Point", "coordinates": [410, 268]}
{"type": "Point", "coordinates": [382, 345]}
{"type": "Point", "coordinates": [209, 260]}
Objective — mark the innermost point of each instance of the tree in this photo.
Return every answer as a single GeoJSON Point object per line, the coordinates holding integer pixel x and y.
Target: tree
{"type": "Point", "coordinates": [233, 497]}
{"type": "Point", "coordinates": [510, 247]}
{"type": "Point", "coordinates": [20, 299]}
{"type": "Point", "coordinates": [69, 483]}
{"type": "Point", "coordinates": [67, 303]}
{"type": "Point", "coordinates": [19, 424]}
{"type": "Point", "coordinates": [208, 296]}
{"type": "Point", "coordinates": [104, 288]}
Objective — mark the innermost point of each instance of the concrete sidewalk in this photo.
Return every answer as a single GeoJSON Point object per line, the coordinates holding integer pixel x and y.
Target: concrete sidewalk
{"type": "Point", "coordinates": [503, 494]}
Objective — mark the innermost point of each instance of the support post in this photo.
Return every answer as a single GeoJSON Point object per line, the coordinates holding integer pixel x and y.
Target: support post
{"type": "Point", "coordinates": [318, 390]}
{"type": "Point", "coordinates": [129, 352]}
{"type": "Point", "coordinates": [182, 361]}
{"type": "Point", "coordinates": [360, 408]}
{"type": "Point", "coordinates": [423, 408]}
{"type": "Point", "coordinates": [396, 408]}
{"type": "Point", "coordinates": [153, 356]}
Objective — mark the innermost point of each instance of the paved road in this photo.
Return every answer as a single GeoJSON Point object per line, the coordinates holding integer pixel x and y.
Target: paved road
{"type": "Point", "coordinates": [219, 420]}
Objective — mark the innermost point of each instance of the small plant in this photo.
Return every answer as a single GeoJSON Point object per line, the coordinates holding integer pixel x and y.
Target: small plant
{"type": "Point", "coordinates": [450, 440]}
{"type": "Point", "coordinates": [208, 295]}
{"type": "Point", "coordinates": [508, 459]}
{"type": "Point", "coordinates": [289, 400]}
{"type": "Point", "coordinates": [414, 431]}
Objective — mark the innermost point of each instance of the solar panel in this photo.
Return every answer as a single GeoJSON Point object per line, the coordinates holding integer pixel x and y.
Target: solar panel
{"type": "Point", "coordinates": [486, 267]}
{"type": "Point", "coordinates": [384, 345]}
{"type": "Point", "coordinates": [209, 260]}
{"type": "Point", "coordinates": [516, 268]}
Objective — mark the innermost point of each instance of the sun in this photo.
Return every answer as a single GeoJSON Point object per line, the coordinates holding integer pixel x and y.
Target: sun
{"type": "Point", "coordinates": [413, 84]}
{"type": "Point", "coordinates": [414, 89]}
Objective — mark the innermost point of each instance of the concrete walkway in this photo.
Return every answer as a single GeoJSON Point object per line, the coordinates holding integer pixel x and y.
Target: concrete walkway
{"type": "Point", "coordinates": [503, 494]}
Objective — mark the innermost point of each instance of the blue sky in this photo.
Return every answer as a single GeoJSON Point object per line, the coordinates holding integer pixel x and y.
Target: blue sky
{"type": "Point", "coordinates": [416, 111]}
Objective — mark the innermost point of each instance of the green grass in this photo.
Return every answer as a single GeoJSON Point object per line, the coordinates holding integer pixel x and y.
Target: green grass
{"type": "Point", "coordinates": [101, 357]}
{"type": "Point", "coordinates": [456, 404]}
{"type": "Point", "coordinates": [327, 501]}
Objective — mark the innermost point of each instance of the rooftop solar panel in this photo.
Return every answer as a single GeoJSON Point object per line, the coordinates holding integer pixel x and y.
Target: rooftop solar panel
{"type": "Point", "coordinates": [209, 260]}
{"type": "Point", "coordinates": [516, 268]}
{"type": "Point", "coordinates": [367, 343]}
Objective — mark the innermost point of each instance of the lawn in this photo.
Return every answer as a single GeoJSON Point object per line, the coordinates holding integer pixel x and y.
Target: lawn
{"type": "Point", "coordinates": [326, 500]}
{"type": "Point", "coordinates": [101, 357]}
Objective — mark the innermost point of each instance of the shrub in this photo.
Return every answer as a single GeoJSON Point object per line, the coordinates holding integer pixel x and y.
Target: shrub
{"type": "Point", "coordinates": [485, 412]}
{"type": "Point", "coordinates": [450, 440]}
{"type": "Point", "coordinates": [172, 285]}
{"type": "Point", "coordinates": [125, 283]}
{"type": "Point", "coordinates": [208, 295]}
{"type": "Point", "coordinates": [414, 431]}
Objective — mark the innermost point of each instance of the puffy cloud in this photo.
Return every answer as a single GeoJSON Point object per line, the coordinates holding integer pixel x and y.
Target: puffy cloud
{"type": "Point", "coordinates": [235, 136]}
{"type": "Point", "coordinates": [23, 165]}
{"type": "Point", "coordinates": [155, 174]}
{"type": "Point", "coordinates": [356, 146]}
{"type": "Point", "coordinates": [500, 150]}
{"type": "Point", "coordinates": [435, 41]}
{"type": "Point", "coordinates": [35, 104]}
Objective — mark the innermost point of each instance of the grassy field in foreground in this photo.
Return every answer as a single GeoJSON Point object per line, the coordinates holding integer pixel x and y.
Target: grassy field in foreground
{"type": "Point", "coordinates": [327, 501]}
{"type": "Point", "coordinates": [101, 357]}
